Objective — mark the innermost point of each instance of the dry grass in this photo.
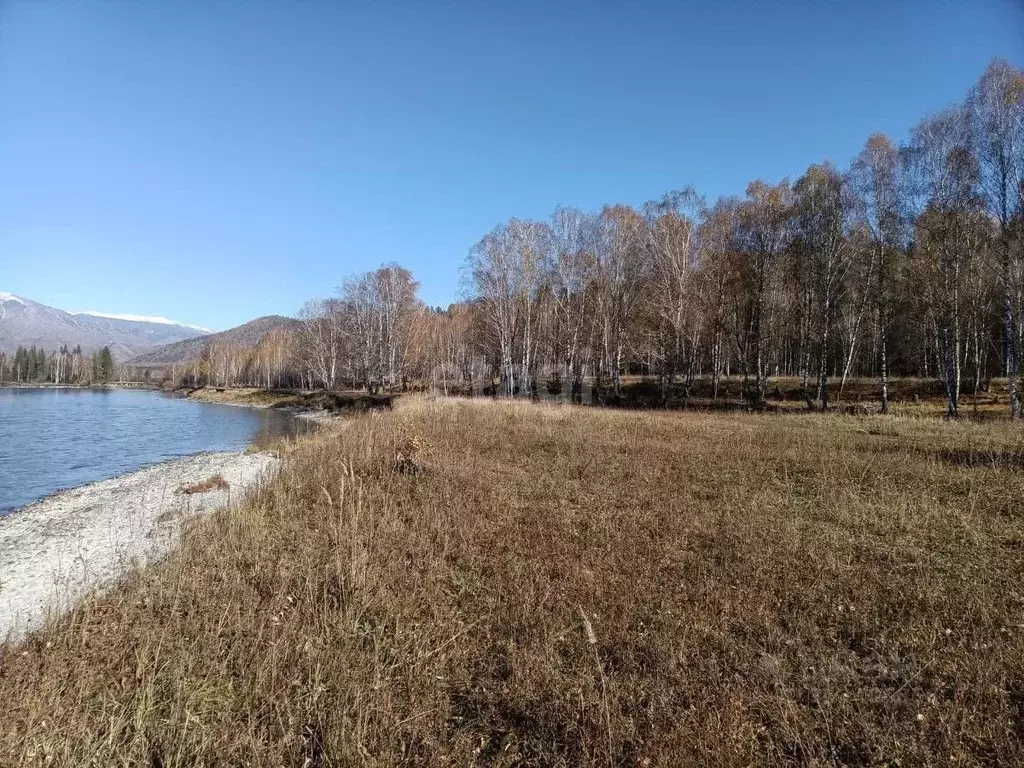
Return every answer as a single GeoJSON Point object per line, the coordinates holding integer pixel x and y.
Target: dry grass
{"type": "Point", "coordinates": [214, 483]}
{"type": "Point", "coordinates": [566, 586]}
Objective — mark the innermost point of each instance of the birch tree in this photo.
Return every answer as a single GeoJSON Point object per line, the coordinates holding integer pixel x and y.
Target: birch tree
{"type": "Point", "coordinates": [765, 231]}
{"type": "Point", "coordinates": [878, 207]}
{"type": "Point", "coordinates": [996, 107]}
{"type": "Point", "coordinates": [496, 278]}
{"type": "Point", "coordinates": [621, 268]}
{"type": "Point", "coordinates": [672, 241]}
{"type": "Point", "coordinates": [821, 236]}
{"type": "Point", "coordinates": [320, 340]}
{"type": "Point", "coordinates": [946, 178]}
{"type": "Point", "coordinates": [571, 272]}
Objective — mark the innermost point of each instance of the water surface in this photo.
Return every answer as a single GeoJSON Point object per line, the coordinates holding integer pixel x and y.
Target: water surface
{"type": "Point", "coordinates": [60, 438]}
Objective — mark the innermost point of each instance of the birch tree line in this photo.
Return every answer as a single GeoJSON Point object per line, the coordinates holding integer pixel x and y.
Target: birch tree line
{"type": "Point", "coordinates": [907, 263]}
{"type": "Point", "coordinates": [910, 262]}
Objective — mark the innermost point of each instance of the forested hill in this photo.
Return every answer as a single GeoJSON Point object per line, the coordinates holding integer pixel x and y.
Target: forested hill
{"type": "Point", "coordinates": [247, 335]}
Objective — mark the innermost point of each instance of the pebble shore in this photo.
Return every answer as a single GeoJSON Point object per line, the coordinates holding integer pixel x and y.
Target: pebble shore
{"type": "Point", "coordinates": [55, 551]}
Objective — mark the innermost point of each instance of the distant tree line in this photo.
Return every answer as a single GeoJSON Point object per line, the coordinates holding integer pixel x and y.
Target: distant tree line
{"type": "Point", "coordinates": [908, 263]}
{"type": "Point", "coordinates": [365, 337]}
{"type": "Point", "coordinates": [33, 365]}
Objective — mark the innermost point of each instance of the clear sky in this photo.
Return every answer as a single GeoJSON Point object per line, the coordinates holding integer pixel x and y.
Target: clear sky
{"type": "Point", "coordinates": [217, 161]}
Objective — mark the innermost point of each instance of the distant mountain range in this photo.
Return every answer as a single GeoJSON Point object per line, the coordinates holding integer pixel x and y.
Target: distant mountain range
{"type": "Point", "coordinates": [24, 322]}
{"type": "Point", "coordinates": [246, 335]}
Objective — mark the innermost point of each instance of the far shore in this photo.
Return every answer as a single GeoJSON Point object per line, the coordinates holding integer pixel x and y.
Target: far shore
{"type": "Point", "coordinates": [51, 385]}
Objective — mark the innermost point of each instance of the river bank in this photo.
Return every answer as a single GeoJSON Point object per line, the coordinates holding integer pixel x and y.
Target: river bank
{"type": "Point", "coordinates": [57, 550]}
{"type": "Point", "coordinates": [316, 406]}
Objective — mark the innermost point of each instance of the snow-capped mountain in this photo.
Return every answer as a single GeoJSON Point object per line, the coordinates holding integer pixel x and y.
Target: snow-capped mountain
{"type": "Point", "coordinates": [144, 319]}
{"type": "Point", "coordinates": [24, 322]}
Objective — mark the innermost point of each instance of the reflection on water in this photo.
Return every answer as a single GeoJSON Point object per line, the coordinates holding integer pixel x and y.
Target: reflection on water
{"type": "Point", "coordinates": [60, 438]}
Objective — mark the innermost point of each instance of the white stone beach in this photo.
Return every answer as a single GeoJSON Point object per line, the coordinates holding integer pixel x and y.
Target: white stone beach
{"type": "Point", "coordinates": [57, 550]}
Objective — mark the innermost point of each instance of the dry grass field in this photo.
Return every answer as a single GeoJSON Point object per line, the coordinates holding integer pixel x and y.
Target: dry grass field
{"type": "Point", "coordinates": [479, 583]}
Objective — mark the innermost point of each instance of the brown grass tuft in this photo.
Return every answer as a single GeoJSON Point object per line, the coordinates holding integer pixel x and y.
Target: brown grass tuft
{"type": "Point", "coordinates": [411, 451]}
{"type": "Point", "coordinates": [214, 483]}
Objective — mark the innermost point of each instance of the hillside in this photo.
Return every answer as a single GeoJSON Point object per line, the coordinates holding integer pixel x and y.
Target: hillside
{"type": "Point", "coordinates": [246, 335]}
{"type": "Point", "coordinates": [24, 322]}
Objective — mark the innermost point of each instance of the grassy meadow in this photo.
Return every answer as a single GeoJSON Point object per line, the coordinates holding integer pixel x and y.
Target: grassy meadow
{"type": "Point", "coordinates": [469, 582]}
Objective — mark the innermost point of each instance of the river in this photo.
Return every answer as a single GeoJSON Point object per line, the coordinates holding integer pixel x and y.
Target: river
{"type": "Point", "coordinates": [51, 439]}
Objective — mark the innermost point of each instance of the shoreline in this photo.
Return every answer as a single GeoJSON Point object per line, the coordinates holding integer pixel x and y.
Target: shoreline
{"type": "Point", "coordinates": [58, 550]}
{"type": "Point", "coordinates": [316, 406]}
{"type": "Point", "coordinates": [315, 415]}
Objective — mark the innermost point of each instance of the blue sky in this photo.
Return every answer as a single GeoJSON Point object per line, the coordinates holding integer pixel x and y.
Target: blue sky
{"type": "Point", "coordinates": [213, 162]}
